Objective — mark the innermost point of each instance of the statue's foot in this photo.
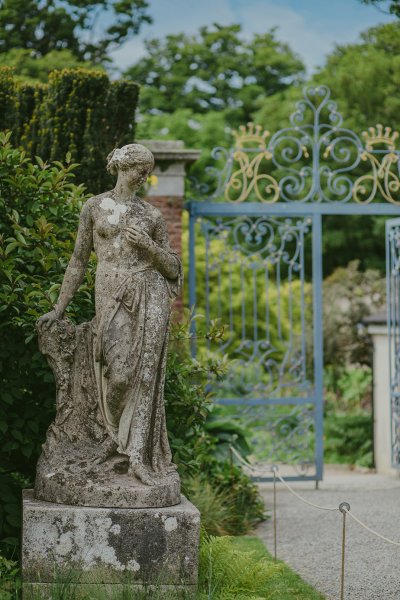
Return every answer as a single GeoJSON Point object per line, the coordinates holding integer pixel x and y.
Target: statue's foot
{"type": "Point", "coordinates": [171, 469]}
{"type": "Point", "coordinates": [141, 473]}
{"type": "Point", "coordinates": [106, 451]}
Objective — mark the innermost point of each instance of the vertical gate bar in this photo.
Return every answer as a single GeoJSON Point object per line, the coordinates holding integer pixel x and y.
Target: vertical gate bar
{"type": "Point", "coordinates": [192, 276]}
{"type": "Point", "coordinates": [230, 299]}
{"type": "Point", "coordinates": [303, 308]}
{"type": "Point", "coordinates": [395, 306]}
{"type": "Point", "coordinates": [267, 331]}
{"type": "Point", "coordinates": [255, 309]}
{"type": "Point", "coordinates": [389, 323]}
{"type": "Point", "coordinates": [318, 341]}
{"type": "Point", "coordinates": [207, 278]}
{"type": "Point", "coordinates": [275, 524]}
{"type": "Point", "coordinates": [278, 288]}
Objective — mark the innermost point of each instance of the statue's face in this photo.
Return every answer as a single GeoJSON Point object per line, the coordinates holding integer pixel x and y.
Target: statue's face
{"type": "Point", "coordinates": [134, 176]}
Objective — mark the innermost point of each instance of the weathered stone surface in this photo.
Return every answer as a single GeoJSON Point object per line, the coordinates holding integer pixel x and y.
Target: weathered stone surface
{"type": "Point", "coordinates": [109, 546]}
{"type": "Point", "coordinates": [115, 591]}
{"type": "Point", "coordinates": [75, 466]}
{"type": "Point", "coordinates": [108, 445]}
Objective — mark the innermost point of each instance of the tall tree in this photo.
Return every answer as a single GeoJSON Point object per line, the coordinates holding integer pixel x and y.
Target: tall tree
{"type": "Point", "coordinates": [45, 25]}
{"type": "Point", "coordinates": [390, 6]}
{"type": "Point", "coordinates": [31, 70]}
{"type": "Point", "coordinates": [217, 69]}
{"type": "Point", "coordinates": [364, 79]}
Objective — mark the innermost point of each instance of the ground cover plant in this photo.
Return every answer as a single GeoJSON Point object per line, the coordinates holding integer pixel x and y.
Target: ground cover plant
{"type": "Point", "coordinates": [230, 569]}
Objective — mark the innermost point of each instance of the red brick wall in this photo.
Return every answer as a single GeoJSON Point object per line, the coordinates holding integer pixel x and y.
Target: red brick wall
{"type": "Point", "coordinates": [171, 208]}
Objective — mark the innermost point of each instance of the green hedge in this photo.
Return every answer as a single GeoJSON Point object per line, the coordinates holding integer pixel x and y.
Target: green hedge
{"type": "Point", "coordinates": [80, 112]}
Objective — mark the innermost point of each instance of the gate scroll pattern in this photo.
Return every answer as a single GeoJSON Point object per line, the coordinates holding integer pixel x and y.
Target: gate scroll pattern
{"type": "Point", "coordinates": [310, 161]}
{"type": "Point", "coordinates": [258, 221]}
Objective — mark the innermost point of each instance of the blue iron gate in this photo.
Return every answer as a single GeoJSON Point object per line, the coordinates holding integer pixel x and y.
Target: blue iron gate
{"type": "Point", "coordinates": [393, 296]}
{"type": "Point", "coordinates": [256, 265]}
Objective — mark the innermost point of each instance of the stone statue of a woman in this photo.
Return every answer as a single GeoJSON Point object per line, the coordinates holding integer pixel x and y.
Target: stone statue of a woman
{"type": "Point", "coordinates": [108, 444]}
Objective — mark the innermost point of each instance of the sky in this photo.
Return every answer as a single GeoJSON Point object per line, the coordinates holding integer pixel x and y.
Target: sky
{"type": "Point", "coordinates": [311, 27]}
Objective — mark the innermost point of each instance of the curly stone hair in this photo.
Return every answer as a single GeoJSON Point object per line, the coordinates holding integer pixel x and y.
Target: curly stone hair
{"type": "Point", "coordinates": [128, 156]}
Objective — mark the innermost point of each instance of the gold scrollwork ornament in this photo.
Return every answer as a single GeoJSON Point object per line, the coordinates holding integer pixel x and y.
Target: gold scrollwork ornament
{"type": "Point", "coordinates": [250, 153]}
{"type": "Point", "coordinates": [382, 179]}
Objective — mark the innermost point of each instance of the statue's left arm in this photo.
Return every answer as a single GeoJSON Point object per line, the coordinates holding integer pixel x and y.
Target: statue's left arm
{"type": "Point", "coordinates": [76, 268]}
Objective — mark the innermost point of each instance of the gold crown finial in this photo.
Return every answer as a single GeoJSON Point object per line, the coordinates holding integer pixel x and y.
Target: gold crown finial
{"type": "Point", "coordinates": [380, 135]}
{"type": "Point", "coordinates": [253, 136]}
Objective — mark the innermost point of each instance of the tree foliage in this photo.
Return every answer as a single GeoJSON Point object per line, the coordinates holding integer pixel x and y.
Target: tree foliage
{"type": "Point", "coordinates": [45, 25]}
{"type": "Point", "coordinates": [350, 295]}
{"type": "Point", "coordinates": [365, 78]}
{"type": "Point", "coordinates": [215, 70]}
{"type": "Point", "coordinates": [28, 69]}
{"type": "Point", "coordinates": [393, 6]}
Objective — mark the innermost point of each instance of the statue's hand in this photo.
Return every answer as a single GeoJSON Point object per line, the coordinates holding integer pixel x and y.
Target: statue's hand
{"type": "Point", "coordinates": [137, 237]}
{"type": "Point", "coordinates": [46, 320]}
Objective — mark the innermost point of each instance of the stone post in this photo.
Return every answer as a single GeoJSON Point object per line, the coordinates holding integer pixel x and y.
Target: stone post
{"type": "Point", "coordinates": [169, 192]}
{"type": "Point", "coordinates": [377, 328]}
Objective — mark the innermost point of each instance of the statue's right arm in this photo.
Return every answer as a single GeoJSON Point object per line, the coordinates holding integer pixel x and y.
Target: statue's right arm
{"type": "Point", "coordinates": [76, 268]}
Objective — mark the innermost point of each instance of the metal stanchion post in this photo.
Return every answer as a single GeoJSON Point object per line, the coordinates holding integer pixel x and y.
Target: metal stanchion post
{"type": "Point", "coordinates": [274, 469]}
{"type": "Point", "coordinates": [343, 507]}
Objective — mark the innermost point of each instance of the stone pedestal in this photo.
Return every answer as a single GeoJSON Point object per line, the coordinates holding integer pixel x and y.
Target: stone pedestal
{"type": "Point", "coordinates": [108, 547]}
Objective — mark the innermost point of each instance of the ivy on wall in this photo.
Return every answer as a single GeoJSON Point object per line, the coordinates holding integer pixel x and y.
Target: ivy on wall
{"type": "Point", "coordinates": [79, 112]}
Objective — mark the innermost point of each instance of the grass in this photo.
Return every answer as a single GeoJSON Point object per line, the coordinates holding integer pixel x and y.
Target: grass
{"type": "Point", "coordinates": [284, 584]}
{"type": "Point", "coordinates": [231, 568]}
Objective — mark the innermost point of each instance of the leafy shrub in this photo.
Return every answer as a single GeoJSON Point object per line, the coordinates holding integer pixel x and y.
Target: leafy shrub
{"type": "Point", "coordinates": [79, 111]}
{"type": "Point", "coordinates": [349, 296]}
{"type": "Point", "coordinates": [216, 506]}
{"type": "Point", "coordinates": [229, 503]}
{"type": "Point", "coordinates": [9, 579]}
{"type": "Point", "coordinates": [349, 439]}
{"type": "Point", "coordinates": [200, 437]}
{"type": "Point", "coordinates": [348, 420]}
{"type": "Point", "coordinates": [188, 401]}
{"type": "Point", "coordinates": [40, 207]}
{"type": "Point", "coordinates": [226, 431]}
{"type": "Point", "coordinates": [247, 506]}
{"type": "Point", "coordinates": [348, 389]}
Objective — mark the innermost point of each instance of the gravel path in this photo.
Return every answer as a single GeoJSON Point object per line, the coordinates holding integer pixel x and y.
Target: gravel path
{"type": "Point", "coordinates": [309, 540]}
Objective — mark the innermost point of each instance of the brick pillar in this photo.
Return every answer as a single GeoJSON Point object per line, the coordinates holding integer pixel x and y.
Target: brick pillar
{"type": "Point", "coordinates": [168, 194]}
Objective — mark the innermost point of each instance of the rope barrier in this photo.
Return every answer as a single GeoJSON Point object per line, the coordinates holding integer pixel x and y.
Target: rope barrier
{"type": "Point", "coordinates": [242, 460]}
{"type": "Point", "coordinates": [343, 508]}
{"type": "Point", "coordinates": [389, 541]}
{"type": "Point", "coordinates": [291, 490]}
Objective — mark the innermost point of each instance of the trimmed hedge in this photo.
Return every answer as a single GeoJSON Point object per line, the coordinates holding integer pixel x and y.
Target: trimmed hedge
{"type": "Point", "coordinates": [79, 112]}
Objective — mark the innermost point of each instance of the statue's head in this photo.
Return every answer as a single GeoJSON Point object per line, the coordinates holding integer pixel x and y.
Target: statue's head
{"type": "Point", "coordinates": [133, 161]}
